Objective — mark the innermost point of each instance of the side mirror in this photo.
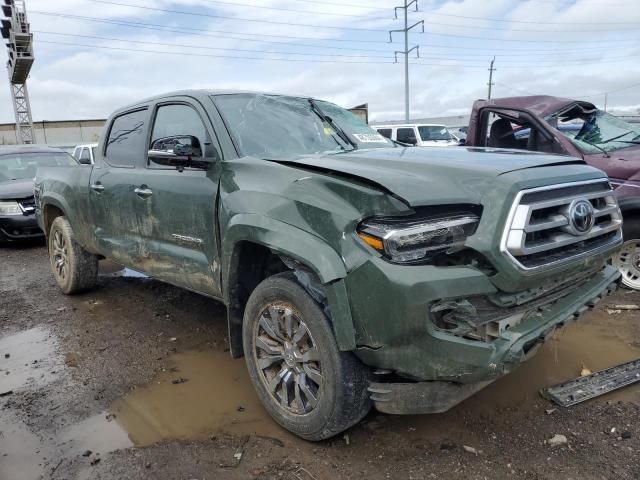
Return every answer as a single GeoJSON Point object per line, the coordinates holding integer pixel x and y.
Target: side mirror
{"type": "Point", "coordinates": [178, 151]}
{"type": "Point", "coordinates": [84, 161]}
{"type": "Point", "coordinates": [462, 142]}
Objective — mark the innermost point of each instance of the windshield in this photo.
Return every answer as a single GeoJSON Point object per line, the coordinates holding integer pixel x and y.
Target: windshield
{"type": "Point", "coordinates": [18, 166]}
{"type": "Point", "coordinates": [271, 126]}
{"type": "Point", "coordinates": [434, 132]}
{"type": "Point", "coordinates": [597, 128]}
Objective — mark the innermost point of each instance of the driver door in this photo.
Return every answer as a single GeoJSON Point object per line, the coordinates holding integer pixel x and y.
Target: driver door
{"type": "Point", "coordinates": [180, 211]}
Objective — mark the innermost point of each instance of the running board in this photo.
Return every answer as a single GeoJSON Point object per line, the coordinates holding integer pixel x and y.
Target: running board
{"type": "Point", "coordinates": [583, 388]}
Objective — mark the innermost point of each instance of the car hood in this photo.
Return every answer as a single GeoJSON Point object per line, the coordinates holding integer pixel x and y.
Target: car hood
{"type": "Point", "coordinates": [15, 189]}
{"type": "Point", "coordinates": [423, 176]}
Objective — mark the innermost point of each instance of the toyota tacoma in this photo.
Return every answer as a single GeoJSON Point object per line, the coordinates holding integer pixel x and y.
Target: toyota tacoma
{"type": "Point", "coordinates": [356, 272]}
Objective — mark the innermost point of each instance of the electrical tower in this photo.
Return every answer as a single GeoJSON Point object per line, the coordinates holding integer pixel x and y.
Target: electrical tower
{"type": "Point", "coordinates": [491, 84]}
{"type": "Point", "coordinates": [15, 29]}
{"type": "Point", "coordinates": [407, 50]}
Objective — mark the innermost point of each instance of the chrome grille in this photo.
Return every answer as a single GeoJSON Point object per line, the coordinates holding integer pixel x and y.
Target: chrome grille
{"type": "Point", "coordinates": [542, 229]}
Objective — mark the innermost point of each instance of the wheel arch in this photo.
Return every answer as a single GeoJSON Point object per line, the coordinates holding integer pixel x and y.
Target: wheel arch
{"type": "Point", "coordinates": [255, 247]}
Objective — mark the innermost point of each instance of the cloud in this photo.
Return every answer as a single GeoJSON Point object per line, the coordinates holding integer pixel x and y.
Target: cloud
{"type": "Point", "coordinates": [69, 82]}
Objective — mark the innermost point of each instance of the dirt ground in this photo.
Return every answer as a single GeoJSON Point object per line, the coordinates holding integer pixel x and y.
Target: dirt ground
{"type": "Point", "coordinates": [134, 381]}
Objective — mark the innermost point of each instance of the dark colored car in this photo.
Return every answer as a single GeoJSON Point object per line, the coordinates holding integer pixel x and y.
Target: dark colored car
{"type": "Point", "coordinates": [356, 272]}
{"type": "Point", "coordinates": [18, 165]}
{"type": "Point", "coordinates": [577, 128]}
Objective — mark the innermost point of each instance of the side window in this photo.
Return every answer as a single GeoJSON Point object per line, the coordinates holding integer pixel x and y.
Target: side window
{"type": "Point", "coordinates": [178, 120]}
{"type": "Point", "coordinates": [76, 153]}
{"type": "Point", "coordinates": [407, 135]}
{"type": "Point", "coordinates": [385, 132]}
{"type": "Point", "coordinates": [126, 140]}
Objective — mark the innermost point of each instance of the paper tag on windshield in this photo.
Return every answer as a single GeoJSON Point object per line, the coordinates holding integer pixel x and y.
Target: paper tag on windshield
{"type": "Point", "coordinates": [370, 138]}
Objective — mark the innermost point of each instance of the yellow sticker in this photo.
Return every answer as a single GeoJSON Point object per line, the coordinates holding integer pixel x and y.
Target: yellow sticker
{"type": "Point", "coordinates": [328, 131]}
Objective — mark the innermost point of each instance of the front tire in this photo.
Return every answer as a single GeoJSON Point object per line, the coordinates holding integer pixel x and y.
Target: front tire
{"type": "Point", "coordinates": [307, 385]}
{"type": "Point", "coordinates": [74, 269]}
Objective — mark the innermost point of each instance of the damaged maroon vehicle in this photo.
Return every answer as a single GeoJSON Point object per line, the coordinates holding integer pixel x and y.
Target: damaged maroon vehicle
{"type": "Point", "coordinates": [577, 128]}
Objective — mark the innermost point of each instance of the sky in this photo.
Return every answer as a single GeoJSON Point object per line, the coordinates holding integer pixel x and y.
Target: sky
{"type": "Point", "coordinates": [93, 56]}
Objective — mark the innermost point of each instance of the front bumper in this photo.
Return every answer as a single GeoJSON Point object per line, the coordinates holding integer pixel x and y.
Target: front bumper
{"type": "Point", "coordinates": [19, 227]}
{"type": "Point", "coordinates": [390, 305]}
{"type": "Point", "coordinates": [434, 370]}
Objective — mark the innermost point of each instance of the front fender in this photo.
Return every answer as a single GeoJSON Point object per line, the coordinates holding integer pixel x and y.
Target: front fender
{"type": "Point", "coordinates": [285, 239]}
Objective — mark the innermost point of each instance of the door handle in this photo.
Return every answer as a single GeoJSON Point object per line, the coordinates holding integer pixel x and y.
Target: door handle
{"type": "Point", "coordinates": [143, 191]}
{"type": "Point", "coordinates": [97, 187]}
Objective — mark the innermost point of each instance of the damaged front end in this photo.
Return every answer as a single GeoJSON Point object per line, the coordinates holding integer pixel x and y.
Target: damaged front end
{"type": "Point", "coordinates": [486, 318]}
{"type": "Point", "coordinates": [508, 328]}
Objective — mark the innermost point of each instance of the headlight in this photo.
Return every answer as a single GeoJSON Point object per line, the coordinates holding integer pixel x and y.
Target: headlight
{"type": "Point", "coordinates": [10, 208]}
{"type": "Point", "coordinates": [413, 240]}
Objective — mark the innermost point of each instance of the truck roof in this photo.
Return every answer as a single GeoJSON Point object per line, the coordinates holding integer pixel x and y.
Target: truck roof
{"type": "Point", "coordinates": [199, 93]}
{"type": "Point", "coordinates": [541, 105]}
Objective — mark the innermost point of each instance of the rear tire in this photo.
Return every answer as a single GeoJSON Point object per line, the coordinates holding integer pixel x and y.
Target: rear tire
{"type": "Point", "coordinates": [75, 269]}
{"type": "Point", "coordinates": [307, 385]}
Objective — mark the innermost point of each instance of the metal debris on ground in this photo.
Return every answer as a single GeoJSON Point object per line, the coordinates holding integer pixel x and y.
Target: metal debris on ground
{"type": "Point", "coordinates": [626, 307]}
{"type": "Point", "coordinates": [557, 440]}
{"type": "Point", "coordinates": [583, 388]}
{"type": "Point", "coordinates": [470, 450]}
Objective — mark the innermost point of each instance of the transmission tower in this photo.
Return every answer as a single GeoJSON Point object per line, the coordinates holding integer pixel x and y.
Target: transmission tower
{"type": "Point", "coordinates": [407, 50]}
{"type": "Point", "coordinates": [15, 29]}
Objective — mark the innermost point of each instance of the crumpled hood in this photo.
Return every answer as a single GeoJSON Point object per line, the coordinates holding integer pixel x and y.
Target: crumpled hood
{"type": "Point", "coordinates": [16, 189]}
{"type": "Point", "coordinates": [423, 176]}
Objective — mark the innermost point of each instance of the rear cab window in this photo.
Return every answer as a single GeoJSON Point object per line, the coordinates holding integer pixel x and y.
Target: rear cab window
{"type": "Point", "coordinates": [385, 132]}
{"type": "Point", "coordinates": [127, 141]}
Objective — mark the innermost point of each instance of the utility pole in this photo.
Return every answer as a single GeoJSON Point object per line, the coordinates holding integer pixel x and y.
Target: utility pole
{"type": "Point", "coordinates": [491, 84]}
{"type": "Point", "coordinates": [605, 101]}
{"type": "Point", "coordinates": [406, 50]}
{"type": "Point", "coordinates": [19, 38]}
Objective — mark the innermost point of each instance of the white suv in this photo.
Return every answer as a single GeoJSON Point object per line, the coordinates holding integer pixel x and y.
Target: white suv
{"type": "Point", "coordinates": [85, 154]}
{"type": "Point", "coordinates": [420, 135]}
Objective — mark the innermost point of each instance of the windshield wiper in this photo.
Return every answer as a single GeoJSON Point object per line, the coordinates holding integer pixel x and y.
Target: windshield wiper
{"type": "Point", "coordinates": [619, 136]}
{"type": "Point", "coordinates": [606, 154]}
{"type": "Point", "coordinates": [325, 118]}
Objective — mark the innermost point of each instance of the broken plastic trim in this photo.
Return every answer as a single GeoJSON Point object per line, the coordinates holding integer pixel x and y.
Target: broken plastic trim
{"type": "Point", "coordinates": [590, 386]}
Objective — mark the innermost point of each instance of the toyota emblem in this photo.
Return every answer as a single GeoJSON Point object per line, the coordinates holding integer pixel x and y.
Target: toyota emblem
{"type": "Point", "coordinates": [581, 216]}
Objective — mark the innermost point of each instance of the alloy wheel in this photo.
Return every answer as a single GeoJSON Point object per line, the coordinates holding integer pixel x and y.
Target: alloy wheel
{"type": "Point", "coordinates": [627, 261]}
{"type": "Point", "coordinates": [60, 255]}
{"type": "Point", "coordinates": [287, 359]}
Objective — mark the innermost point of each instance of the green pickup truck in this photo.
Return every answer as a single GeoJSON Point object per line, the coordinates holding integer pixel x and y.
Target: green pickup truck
{"type": "Point", "coordinates": [356, 272]}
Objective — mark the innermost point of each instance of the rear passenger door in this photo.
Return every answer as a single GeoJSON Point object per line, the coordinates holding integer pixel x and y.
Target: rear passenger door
{"type": "Point", "coordinates": [114, 190]}
{"type": "Point", "coordinates": [182, 238]}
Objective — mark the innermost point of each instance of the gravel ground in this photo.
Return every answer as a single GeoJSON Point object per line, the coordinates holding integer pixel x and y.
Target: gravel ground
{"type": "Point", "coordinates": [133, 381]}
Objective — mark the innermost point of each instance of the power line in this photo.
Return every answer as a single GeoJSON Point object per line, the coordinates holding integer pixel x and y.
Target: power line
{"type": "Point", "coordinates": [562, 61]}
{"type": "Point", "coordinates": [207, 47]}
{"type": "Point", "coordinates": [227, 17]}
{"type": "Point", "coordinates": [340, 40]}
{"type": "Point", "coordinates": [276, 22]}
{"type": "Point", "coordinates": [354, 5]}
{"type": "Point", "coordinates": [194, 54]}
{"type": "Point", "coordinates": [502, 20]}
{"type": "Point", "coordinates": [298, 60]}
{"type": "Point", "coordinates": [282, 9]}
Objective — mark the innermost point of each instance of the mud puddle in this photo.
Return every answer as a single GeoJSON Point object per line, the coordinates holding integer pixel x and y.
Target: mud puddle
{"type": "Point", "coordinates": [593, 343]}
{"type": "Point", "coordinates": [28, 358]}
{"type": "Point", "coordinates": [23, 455]}
{"type": "Point", "coordinates": [200, 394]}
